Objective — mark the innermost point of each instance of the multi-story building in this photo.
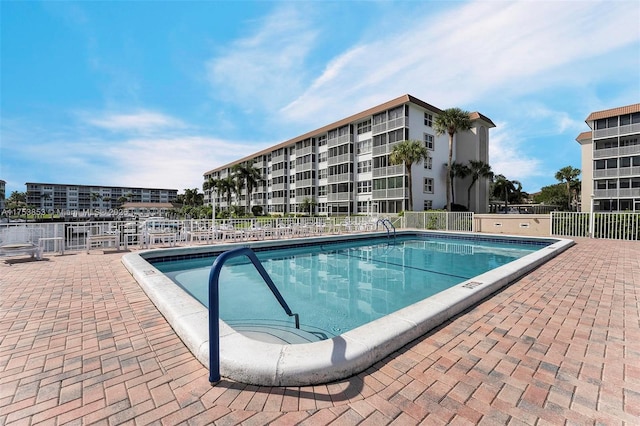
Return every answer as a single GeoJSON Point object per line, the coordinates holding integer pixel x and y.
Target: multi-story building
{"type": "Point", "coordinates": [611, 160]}
{"type": "Point", "coordinates": [53, 197]}
{"type": "Point", "coordinates": [344, 168]}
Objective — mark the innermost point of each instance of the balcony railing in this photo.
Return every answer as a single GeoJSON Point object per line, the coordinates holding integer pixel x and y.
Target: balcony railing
{"type": "Point", "coordinates": [617, 193]}
{"type": "Point", "coordinates": [615, 131]}
{"type": "Point", "coordinates": [619, 172]}
{"type": "Point", "coordinates": [344, 177]}
{"type": "Point", "coordinates": [616, 152]}
{"type": "Point", "coordinates": [339, 159]}
{"type": "Point", "coordinates": [389, 125]}
{"type": "Point", "coordinates": [339, 196]}
{"type": "Point", "coordinates": [340, 140]}
{"type": "Point", "coordinates": [387, 194]}
{"type": "Point", "coordinates": [388, 171]}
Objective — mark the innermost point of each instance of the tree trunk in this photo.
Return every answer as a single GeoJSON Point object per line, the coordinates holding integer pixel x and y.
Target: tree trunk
{"type": "Point", "coordinates": [449, 185]}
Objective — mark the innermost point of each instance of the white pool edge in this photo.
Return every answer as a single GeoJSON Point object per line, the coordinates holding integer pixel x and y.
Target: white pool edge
{"type": "Point", "coordinates": [268, 364]}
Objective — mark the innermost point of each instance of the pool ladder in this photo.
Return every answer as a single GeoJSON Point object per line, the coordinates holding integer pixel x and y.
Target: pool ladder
{"type": "Point", "coordinates": [388, 226]}
{"type": "Point", "coordinates": [214, 304]}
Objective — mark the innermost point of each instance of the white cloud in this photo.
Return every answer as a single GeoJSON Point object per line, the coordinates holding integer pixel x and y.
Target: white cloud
{"type": "Point", "coordinates": [138, 121]}
{"type": "Point", "coordinates": [470, 52]}
{"type": "Point", "coordinates": [506, 156]}
{"type": "Point", "coordinates": [267, 67]}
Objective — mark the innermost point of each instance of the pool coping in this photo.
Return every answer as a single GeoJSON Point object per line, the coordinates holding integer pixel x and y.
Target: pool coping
{"type": "Point", "coordinates": [269, 364]}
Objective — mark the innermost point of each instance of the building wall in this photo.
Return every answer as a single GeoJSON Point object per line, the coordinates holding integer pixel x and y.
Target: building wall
{"type": "Point", "coordinates": [393, 122]}
{"type": "Point", "coordinates": [513, 224]}
{"type": "Point", "coordinates": [611, 160]}
{"type": "Point", "coordinates": [586, 152]}
{"type": "Point", "coordinates": [52, 197]}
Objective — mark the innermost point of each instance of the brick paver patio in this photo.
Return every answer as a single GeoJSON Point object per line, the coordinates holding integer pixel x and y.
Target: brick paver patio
{"type": "Point", "coordinates": [80, 343]}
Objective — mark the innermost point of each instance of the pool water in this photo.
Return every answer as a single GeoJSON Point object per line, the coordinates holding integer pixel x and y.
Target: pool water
{"type": "Point", "coordinates": [337, 287]}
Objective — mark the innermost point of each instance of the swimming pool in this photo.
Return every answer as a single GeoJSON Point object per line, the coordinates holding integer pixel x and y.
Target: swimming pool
{"type": "Point", "coordinates": [338, 354]}
{"type": "Point", "coordinates": [339, 286]}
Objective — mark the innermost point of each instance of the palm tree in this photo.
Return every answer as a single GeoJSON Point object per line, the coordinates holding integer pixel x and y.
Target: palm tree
{"type": "Point", "coordinates": [503, 187]}
{"type": "Point", "coordinates": [477, 169]}
{"type": "Point", "coordinates": [568, 175]}
{"type": "Point", "coordinates": [408, 153]}
{"type": "Point", "coordinates": [227, 186]}
{"type": "Point", "coordinates": [248, 177]}
{"type": "Point", "coordinates": [307, 205]}
{"type": "Point", "coordinates": [451, 121]}
{"type": "Point", "coordinates": [457, 170]}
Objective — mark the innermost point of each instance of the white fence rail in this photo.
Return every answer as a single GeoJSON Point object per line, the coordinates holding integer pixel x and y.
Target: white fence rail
{"type": "Point", "coordinates": [74, 236]}
{"type": "Point", "coordinates": [616, 226]}
{"type": "Point", "coordinates": [441, 221]}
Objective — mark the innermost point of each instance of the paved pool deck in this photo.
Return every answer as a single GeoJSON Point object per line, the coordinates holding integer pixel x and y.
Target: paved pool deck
{"type": "Point", "coordinates": [81, 343]}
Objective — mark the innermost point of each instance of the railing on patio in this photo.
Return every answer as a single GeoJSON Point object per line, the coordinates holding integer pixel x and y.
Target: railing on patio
{"type": "Point", "coordinates": [440, 221]}
{"type": "Point", "coordinates": [72, 236]}
{"type": "Point", "coordinates": [616, 226]}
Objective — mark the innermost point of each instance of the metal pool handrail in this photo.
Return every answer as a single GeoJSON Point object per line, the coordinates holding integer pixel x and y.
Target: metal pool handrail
{"type": "Point", "coordinates": [384, 222]}
{"type": "Point", "coordinates": [214, 304]}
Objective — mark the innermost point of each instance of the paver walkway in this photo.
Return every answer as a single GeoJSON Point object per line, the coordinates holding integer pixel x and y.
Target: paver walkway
{"type": "Point", "coordinates": [80, 343]}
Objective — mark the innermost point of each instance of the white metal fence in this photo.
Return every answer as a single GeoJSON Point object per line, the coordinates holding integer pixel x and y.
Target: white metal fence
{"type": "Point", "coordinates": [617, 226]}
{"type": "Point", "coordinates": [62, 236]}
{"type": "Point", "coordinates": [440, 221]}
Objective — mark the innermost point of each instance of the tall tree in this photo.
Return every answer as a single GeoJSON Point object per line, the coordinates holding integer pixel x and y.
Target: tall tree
{"type": "Point", "coordinates": [457, 170]}
{"type": "Point", "coordinates": [477, 170]}
{"type": "Point", "coordinates": [568, 175]}
{"type": "Point", "coordinates": [451, 121]}
{"type": "Point", "coordinates": [503, 187]}
{"type": "Point", "coordinates": [227, 186]}
{"type": "Point", "coordinates": [247, 177]}
{"type": "Point", "coordinates": [408, 153]}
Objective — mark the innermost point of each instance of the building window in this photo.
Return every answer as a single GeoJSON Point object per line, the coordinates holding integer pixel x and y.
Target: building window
{"type": "Point", "coordinates": [364, 127]}
{"type": "Point", "coordinates": [428, 204]}
{"type": "Point", "coordinates": [428, 119]}
{"type": "Point", "coordinates": [428, 186]}
{"type": "Point", "coordinates": [364, 187]}
{"type": "Point", "coordinates": [322, 140]}
{"type": "Point", "coordinates": [322, 157]}
{"type": "Point", "coordinates": [323, 173]}
{"type": "Point", "coordinates": [428, 141]}
{"type": "Point", "coordinates": [428, 163]}
{"type": "Point", "coordinates": [364, 146]}
{"type": "Point", "coordinates": [364, 166]}
{"type": "Point", "coordinates": [322, 191]}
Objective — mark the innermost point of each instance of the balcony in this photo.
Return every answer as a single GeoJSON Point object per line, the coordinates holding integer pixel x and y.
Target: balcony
{"type": "Point", "coordinates": [343, 177]}
{"type": "Point", "coordinates": [388, 194]}
{"type": "Point", "coordinates": [304, 151]}
{"type": "Point", "coordinates": [389, 125]}
{"type": "Point", "coordinates": [617, 193]}
{"type": "Point", "coordinates": [304, 183]}
{"type": "Point", "coordinates": [279, 200]}
{"type": "Point", "coordinates": [339, 159]}
{"type": "Point", "coordinates": [278, 173]}
{"type": "Point", "coordinates": [620, 172]}
{"type": "Point", "coordinates": [340, 140]}
{"type": "Point", "coordinates": [304, 167]}
{"type": "Point", "coordinates": [339, 196]}
{"type": "Point", "coordinates": [278, 187]}
{"type": "Point", "coordinates": [616, 152]}
{"type": "Point", "coordinates": [627, 129]}
{"type": "Point", "coordinates": [388, 171]}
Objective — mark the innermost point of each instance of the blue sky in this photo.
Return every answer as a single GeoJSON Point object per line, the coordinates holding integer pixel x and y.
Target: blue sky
{"type": "Point", "coordinates": [154, 94]}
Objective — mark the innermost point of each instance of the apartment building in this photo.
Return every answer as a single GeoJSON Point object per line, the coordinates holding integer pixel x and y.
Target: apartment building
{"type": "Point", "coordinates": [344, 167]}
{"type": "Point", "coordinates": [58, 197]}
{"type": "Point", "coordinates": [611, 160]}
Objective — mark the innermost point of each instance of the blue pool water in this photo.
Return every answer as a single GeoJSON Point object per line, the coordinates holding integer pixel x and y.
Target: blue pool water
{"type": "Point", "coordinates": [336, 287]}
